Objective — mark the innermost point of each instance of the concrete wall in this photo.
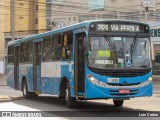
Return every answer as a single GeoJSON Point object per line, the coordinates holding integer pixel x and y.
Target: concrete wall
{"type": "Point", "coordinates": [2, 29]}
{"type": "Point", "coordinates": [2, 70]}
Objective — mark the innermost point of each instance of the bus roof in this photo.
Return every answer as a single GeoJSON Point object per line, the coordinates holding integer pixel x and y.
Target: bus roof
{"type": "Point", "coordinates": [67, 28]}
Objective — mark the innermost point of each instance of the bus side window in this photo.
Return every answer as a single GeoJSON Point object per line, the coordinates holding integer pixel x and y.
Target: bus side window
{"type": "Point", "coordinates": [47, 45]}
{"type": "Point", "coordinates": [10, 55]}
{"type": "Point", "coordinates": [56, 49]}
{"type": "Point", "coordinates": [23, 50]}
{"type": "Point", "coordinates": [29, 53]}
{"type": "Point", "coordinates": [67, 46]}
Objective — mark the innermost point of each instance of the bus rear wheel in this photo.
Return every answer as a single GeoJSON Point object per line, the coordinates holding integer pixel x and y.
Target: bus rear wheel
{"type": "Point", "coordinates": [26, 93]}
{"type": "Point", "coordinates": [70, 101]}
{"type": "Point", "coordinates": [118, 103]}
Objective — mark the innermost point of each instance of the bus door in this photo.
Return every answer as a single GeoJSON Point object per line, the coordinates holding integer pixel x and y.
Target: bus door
{"type": "Point", "coordinates": [37, 66]}
{"type": "Point", "coordinates": [16, 68]}
{"type": "Point", "coordinates": [79, 73]}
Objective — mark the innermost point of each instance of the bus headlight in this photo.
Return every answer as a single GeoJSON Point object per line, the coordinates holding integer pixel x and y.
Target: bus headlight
{"type": "Point", "coordinates": [96, 82]}
{"type": "Point", "coordinates": [91, 78]}
{"type": "Point", "coordinates": [147, 82]}
{"type": "Point", "coordinates": [150, 78]}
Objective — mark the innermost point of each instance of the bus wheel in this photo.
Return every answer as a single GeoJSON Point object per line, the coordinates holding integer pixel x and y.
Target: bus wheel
{"type": "Point", "coordinates": [118, 103]}
{"type": "Point", "coordinates": [70, 101]}
{"type": "Point", "coordinates": [25, 92]}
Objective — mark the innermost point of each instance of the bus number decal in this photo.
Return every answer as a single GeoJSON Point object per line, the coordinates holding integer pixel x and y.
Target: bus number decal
{"type": "Point", "coordinates": [103, 62]}
{"type": "Point", "coordinates": [102, 27]}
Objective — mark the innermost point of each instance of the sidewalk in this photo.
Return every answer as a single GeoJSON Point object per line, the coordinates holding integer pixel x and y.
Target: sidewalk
{"type": "Point", "coordinates": [3, 80]}
{"type": "Point", "coordinates": [7, 93]}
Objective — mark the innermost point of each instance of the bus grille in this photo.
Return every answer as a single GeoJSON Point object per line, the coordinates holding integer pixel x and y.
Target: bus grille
{"type": "Point", "coordinates": [121, 72]}
{"type": "Point", "coordinates": [124, 74]}
{"type": "Point", "coordinates": [127, 84]}
{"type": "Point", "coordinates": [116, 92]}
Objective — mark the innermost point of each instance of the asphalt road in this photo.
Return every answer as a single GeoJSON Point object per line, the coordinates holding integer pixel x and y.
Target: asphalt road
{"type": "Point", "coordinates": [95, 108]}
{"type": "Point", "coordinates": [91, 109]}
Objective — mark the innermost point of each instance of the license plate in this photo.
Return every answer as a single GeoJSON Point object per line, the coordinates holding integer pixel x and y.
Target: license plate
{"type": "Point", "coordinates": [124, 91]}
{"type": "Point", "coordinates": [113, 80]}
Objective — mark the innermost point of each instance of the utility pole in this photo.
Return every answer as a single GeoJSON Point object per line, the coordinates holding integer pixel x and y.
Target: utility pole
{"type": "Point", "coordinates": [13, 19]}
{"type": "Point", "coordinates": [146, 14]}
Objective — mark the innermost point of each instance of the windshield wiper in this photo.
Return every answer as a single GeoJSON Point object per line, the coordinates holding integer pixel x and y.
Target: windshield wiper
{"type": "Point", "coordinates": [111, 45]}
{"type": "Point", "coordinates": [134, 45]}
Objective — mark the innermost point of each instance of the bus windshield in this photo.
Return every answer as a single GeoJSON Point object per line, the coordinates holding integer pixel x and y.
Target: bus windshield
{"type": "Point", "coordinates": [119, 52]}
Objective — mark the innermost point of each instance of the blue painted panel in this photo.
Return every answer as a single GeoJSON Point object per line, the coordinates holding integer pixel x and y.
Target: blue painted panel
{"type": "Point", "coordinates": [10, 76]}
{"type": "Point", "coordinates": [50, 85]}
{"type": "Point", "coordinates": [69, 73]}
{"type": "Point", "coordinates": [28, 75]}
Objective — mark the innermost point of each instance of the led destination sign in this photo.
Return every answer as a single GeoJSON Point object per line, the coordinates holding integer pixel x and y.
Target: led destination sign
{"type": "Point", "coordinates": [119, 27]}
{"type": "Point", "coordinates": [114, 27]}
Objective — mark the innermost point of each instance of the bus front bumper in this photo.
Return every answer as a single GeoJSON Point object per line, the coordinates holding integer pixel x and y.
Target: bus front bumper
{"type": "Point", "coordinates": [97, 92]}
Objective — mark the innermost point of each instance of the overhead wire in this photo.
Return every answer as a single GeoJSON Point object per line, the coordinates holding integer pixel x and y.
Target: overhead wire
{"type": "Point", "coordinates": [55, 5]}
{"type": "Point", "coordinates": [64, 12]}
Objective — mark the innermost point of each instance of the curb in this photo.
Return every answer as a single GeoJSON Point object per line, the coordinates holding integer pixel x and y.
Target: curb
{"type": "Point", "coordinates": [8, 98]}
{"type": "Point", "coordinates": [5, 98]}
{"type": "Point", "coordinates": [3, 85]}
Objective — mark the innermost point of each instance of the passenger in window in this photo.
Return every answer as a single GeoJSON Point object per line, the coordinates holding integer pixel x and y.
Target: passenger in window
{"type": "Point", "coordinates": [66, 53]}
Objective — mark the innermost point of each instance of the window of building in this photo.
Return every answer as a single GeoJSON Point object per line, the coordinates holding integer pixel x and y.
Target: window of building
{"type": "Point", "coordinates": [67, 46]}
{"type": "Point", "coordinates": [36, 7]}
{"type": "Point", "coordinates": [21, 17]}
{"type": "Point", "coordinates": [47, 48]}
{"type": "Point", "coordinates": [74, 18]}
{"type": "Point", "coordinates": [69, 19]}
{"type": "Point", "coordinates": [158, 14]}
{"type": "Point", "coordinates": [21, 3]}
{"type": "Point", "coordinates": [10, 55]}
{"type": "Point", "coordinates": [36, 21]}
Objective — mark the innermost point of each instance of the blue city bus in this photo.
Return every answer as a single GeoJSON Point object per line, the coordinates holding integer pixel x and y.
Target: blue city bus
{"type": "Point", "coordinates": [99, 59]}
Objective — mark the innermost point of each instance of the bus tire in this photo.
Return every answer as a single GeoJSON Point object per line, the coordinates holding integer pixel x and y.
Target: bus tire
{"type": "Point", "coordinates": [70, 101]}
{"type": "Point", "coordinates": [118, 103]}
{"type": "Point", "coordinates": [26, 93]}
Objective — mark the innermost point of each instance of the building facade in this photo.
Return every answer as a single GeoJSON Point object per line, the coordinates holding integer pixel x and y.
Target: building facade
{"type": "Point", "coordinates": [28, 17]}
{"type": "Point", "coordinates": [2, 29]}
{"type": "Point", "coordinates": [68, 12]}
